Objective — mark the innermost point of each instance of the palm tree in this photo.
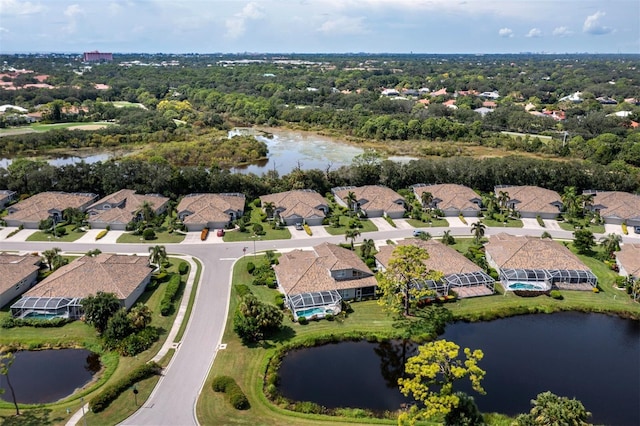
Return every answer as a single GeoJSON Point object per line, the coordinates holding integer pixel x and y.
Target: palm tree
{"type": "Point", "coordinates": [427, 199]}
{"type": "Point", "coordinates": [50, 256]}
{"type": "Point", "coordinates": [447, 238]}
{"type": "Point", "coordinates": [503, 200]}
{"type": "Point", "coordinates": [490, 201]}
{"type": "Point", "coordinates": [352, 201]}
{"type": "Point", "coordinates": [367, 248]}
{"type": "Point", "coordinates": [477, 229]}
{"type": "Point", "coordinates": [570, 201]}
{"type": "Point", "coordinates": [145, 212]}
{"type": "Point", "coordinates": [351, 234]}
{"type": "Point", "coordinates": [269, 208]}
{"type": "Point", "coordinates": [140, 316]}
{"type": "Point", "coordinates": [157, 255]}
{"type": "Point", "coordinates": [611, 243]}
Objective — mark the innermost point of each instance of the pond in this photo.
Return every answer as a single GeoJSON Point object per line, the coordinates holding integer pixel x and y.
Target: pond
{"type": "Point", "coordinates": [40, 377]}
{"type": "Point", "coordinates": [591, 357]}
{"type": "Point", "coordinates": [66, 160]}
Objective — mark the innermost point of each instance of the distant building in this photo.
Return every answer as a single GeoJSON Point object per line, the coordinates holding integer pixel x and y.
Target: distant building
{"type": "Point", "coordinates": [96, 56]}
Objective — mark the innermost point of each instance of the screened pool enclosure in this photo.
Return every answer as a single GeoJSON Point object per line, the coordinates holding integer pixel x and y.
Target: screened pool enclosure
{"type": "Point", "coordinates": [314, 304]}
{"type": "Point", "coordinates": [47, 307]}
{"type": "Point", "coordinates": [545, 279]}
{"type": "Point", "coordinates": [468, 284]}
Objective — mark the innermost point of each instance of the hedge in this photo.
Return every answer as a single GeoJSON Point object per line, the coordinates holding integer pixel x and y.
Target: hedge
{"type": "Point", "coordinates": [101, 234]}
{"type": "Point", "coordinates": [540, 221]}
{"type": "Point", "coordinates": [169, 295]}
{"type": "Point", "coordinates": [11, 322]}
{"type": "Point", "coordinates": [236, 396]}
{"type": "Point", "coordinates": [111, 393]}
{"type": "Point", "coordinates": [183, 268]}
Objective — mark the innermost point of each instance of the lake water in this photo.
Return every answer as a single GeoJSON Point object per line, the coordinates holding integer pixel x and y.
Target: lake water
{"type": "Point", "coordinates": [65, 161]}
{"type": "Point", "coordinates": [46, 376]}
{"type": "Point", "coordinates": [593, 358]}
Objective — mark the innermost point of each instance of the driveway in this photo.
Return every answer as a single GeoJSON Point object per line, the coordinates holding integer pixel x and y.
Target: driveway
{"type": "Point", "coordinates": [531, 223]}
{"type": "Point", "coordinates": [20, 236]}
{"type": "Point", "coordinates": [382, 224]}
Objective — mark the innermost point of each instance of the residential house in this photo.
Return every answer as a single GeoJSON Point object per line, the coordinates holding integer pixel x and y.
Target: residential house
{"type": "Point", "coordinates": [120, 208]}
{"type": "Point", "coordinates": [390, 92]}
{"type": "Point", "coordinates": [450, 198]}
{"type": "Point", "coordinates": [617, 207]}
{"type": "Point", "coordinates": [461, 275]}
{"type": "Point", "coordinates": [628, 260]}
{"type": "Point", "coordinates": [483, 111]}
{"type": "Point", "coordinates": [6, 197]}
{"type": "Point", "coordinates": [491, 95]}
{"type": "Point", "coordinates": [574, 97]}
{"type": "Point", "coordinates": [31, 211]}
{"type": "Point", "coordinates": [532, 201]}
{"type": "Point", "coordinates": [372, 200]}
{"type": "Point", "coordinates": [298, 206]}
{"type": "Point", "coordinates": [441, 92]}
{"type": "Point", "coordinates": [327, 267]}
{"type": "Point", "coordinates": [536, 264]}
{"type": "Point", "coordinates": [213, 211]}
{"type": "Point", "coordinates": [61, 293]}
{"type": "Point", "coordinates": [18, 274]}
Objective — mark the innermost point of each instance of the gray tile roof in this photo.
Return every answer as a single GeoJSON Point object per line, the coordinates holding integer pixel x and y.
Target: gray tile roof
{"type": "Point", "coordinates": [124, 205]}
{"type": "Point", "coordinates": [297, 203]}
{"type": "Point", "coordinates": [38, 206]}
{"type": "Point", "coordinates": [450, 196]}
{"type": "Point", "coordinates": [204, 208]}
{"type": "Point", "coordinates": [374, 197]}
{"type": "Point", "coordinates": [629, 258]}
{"type": "Point", "coordinates": [532, 198]}
{"type": "Point", "coordinates": [616, 204]}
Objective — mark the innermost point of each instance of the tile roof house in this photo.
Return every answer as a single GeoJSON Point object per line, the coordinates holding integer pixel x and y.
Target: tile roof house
{"type": "Point", "coordinates": [6, 197]}
{"type": "Point", "coordinates": [532, 201]}
{"type": "Point", "coordinates": [120, 208]}
{"type": "Point", "coordinates": [326, 267]}
{"type": "Point", "coordinates": [616, 207]}
{"type": "Point", "coordinates": [214, 211]}
{"type": "Point", "coordinates": [460, 274]}
{"type": "Point", "coordinates": [531, 263]}
{"type": "Point", "coordinates": [17, 275]}
{"type": "Point", "coordinates": [452, 199]}
{"type": "Point", "coordinates": [123, 275]}
{"type": "Point", "coordinates": [298, 206]}
{"type": "Point", "coordinates": [373, 200]}
{"type": "Point", "coordinates": [628, 260]}
{"type": "Point", "coordinates": [31, 211]}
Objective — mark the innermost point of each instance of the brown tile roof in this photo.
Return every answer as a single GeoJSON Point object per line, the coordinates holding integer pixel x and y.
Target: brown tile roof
{"type": "Point", "coordinates": [38, 207]}
{"type": "Point", "coordinates": [616, 204]}
{"type": "Point", "coordinates": [450, 196]}
{"type": "Point", "coordinates": [441, 257]}
{"type": "Point", "coordinates": [124, 205]}
{"type": "Point", "coordinates": [308, 271]}
{"type": "Point", "coordinates": [525, 252]}
{"type": "Point", "coordinates": [374, 197]}
{"type": "Point", "coordinates": [629, 258]}
{"type": "Point", "coordinates": [109, 273]}
{"type": "Point", "coordinates": [532, 198]}
{"type": "Point", "coordinates": [14, 268]}
{"type": "Point", "coordinates": [210, 207]}
{"type": "Point", "coordinates": [301, 203]}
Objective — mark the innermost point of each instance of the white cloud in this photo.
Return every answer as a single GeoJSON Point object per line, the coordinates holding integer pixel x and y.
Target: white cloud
{"type": "Point", "coordinates": [593, 26]}
{"type": "Point", "coordinates": [237, 24]}
{"type": "Point", "coordinates": [343, 25]}
{"type": "Point", "coordinates": [73, 10]}
{"type": "Point", "coordinates": [534, 32]}
{"type": "Point", "coordinates": [114, 9]}
{"type": "Point", "coordinates": [561, 31]}
{"type": "Point", "coordinates": [505, 32]}
{"type": "Point", "coordinates": [4, 30]}
{"type": "Point", "coordinates": [16, 7]}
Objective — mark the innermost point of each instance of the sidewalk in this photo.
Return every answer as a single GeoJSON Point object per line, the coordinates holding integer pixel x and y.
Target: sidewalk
{"type": "Point", "coordinates": [169, 341]}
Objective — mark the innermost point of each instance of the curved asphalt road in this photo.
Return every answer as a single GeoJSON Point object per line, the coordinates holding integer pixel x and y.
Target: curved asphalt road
{"type": "Point", "coordinates": [172, 402]}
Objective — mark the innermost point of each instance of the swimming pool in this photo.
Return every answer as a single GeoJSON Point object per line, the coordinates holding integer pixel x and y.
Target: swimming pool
{"type": "Point", "coordinates": [526, 286]}
{"type": "Point", "coordinates": [38, 315]}
{"type": "Point", "coordinates": [307, 313]}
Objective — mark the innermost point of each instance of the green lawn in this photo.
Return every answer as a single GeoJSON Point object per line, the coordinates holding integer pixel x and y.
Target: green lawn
{"type": "Point", "coordinates": [435, 223]}
{"type": "Point", "coordinates": [71, 235]}
{"type": "Point", "coordinates": [511, 223]}
{"type": "Point", "coordinates": [596, 229]}
{"type": "Point", "coordinates": [269, 234]}
{"type": "Point", "coordinates": [161, 238]}
{"type": "Point", "coordinates": [79, 334]}
{"type": "Point", "coordinates": [367, 226]}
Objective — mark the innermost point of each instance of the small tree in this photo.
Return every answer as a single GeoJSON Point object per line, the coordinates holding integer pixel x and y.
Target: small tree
{"type": "Point", "coordinates": [351, 234]}
{"type": "Point", "coordinates": [157, 255]}
{"type": "Point", "coordinates": [6, 360]}
{"type": "Point", "coordinates": [99, 308]}
{"type": "Point", "coordinates": [583, 241]}
{"type": "Point", "coordinates": [550, 409]}
{"type": "Point", "coordinates": [397, 283]}
{"type": "Point", "coordinates": [431, 374]}
{"type": "Point", "coordinates": [254, 319]}
{"type": "Point", "coordinates": [477, 229]}
{"type": "Point", "coordinates": [448, 239]}
{"type": "Point", "coordinates": [611, 243]}
{"type": "Point", "coordinates": [51, 257]}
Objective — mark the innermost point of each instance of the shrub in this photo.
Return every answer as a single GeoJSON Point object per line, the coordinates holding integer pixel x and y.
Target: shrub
{"type": "Point", "coordinates": [220, 383]}
{"type": "Point", "coordinates": [540, 221]}
{"type": "Point", "coordinates": [388, 219]}
{"type": "Point", "coordinates": [138, 342]}
{"type": "Point", "coordinates": [183, 268]}
{"type": "Point", "coordinates": [149, 234]}
{"type": "Point", "coordinates": [251, 267]}
{"type": "Point", "coordinates": [556, 294]}
{"type": "Point", "coordinates": [101, 234]}
{"type": "Point", "coordinates": [271, 283]}
{"type": "Point", "coordinates": [228, 385]}
{"type": "Point", "coordinates": [258, 229]}
{"type": "Point", "coordinates": [329, 317]}
{"type": "Point", "coordinates": [303, 320]}
{"type": "Point", "coordinates": [169, 295]}
{"type": "Point", "coordinates": [242, 289]}
{"type": "Point", "coordinates": [279, 300]}
{"type": "Point", "coordinates": [111, 393]}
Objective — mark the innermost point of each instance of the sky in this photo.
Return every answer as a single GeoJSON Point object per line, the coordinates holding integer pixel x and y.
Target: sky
{"type": "Point", "coordinates": [320, 26]}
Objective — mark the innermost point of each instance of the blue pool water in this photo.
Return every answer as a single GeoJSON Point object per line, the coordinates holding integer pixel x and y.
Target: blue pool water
{"type": "Point", "coordinates": [36, 315]}
{"type": "Point", "coordinates": [523, 286]}
{"type": "Point", "coordinates": [313, 311]}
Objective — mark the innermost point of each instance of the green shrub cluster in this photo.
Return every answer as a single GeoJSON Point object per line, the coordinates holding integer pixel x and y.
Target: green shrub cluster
{"type": "Point", "coordinates": [234, 393]}
{"type": "Point", "coordinates": [251, 267]}
{"type": "Point", "coordinates": [169, 295]}
{"type": "Point", "coordinates": [138, 342]}
{"type": "Point", "coordinates": [149, 234]}
{"type": "Point", "coordinates": [183, 268]}
{"type": "Point", "coordinates": [279, 300]}
{"type": "Point", "coordinates": [264, 274]}
{"type": "Point", "coordinates": [106, 397]}
{"type": "Point", "coordinates": [303, 320]}
{"type": "Point", "coordinates": [540, 221]}
{"type": "Point", "coordinates": [556, 294]}
{"type": "Point", "coordinates": [33, 322]}
{"type": "Point", "coordinates": [242, 289]}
